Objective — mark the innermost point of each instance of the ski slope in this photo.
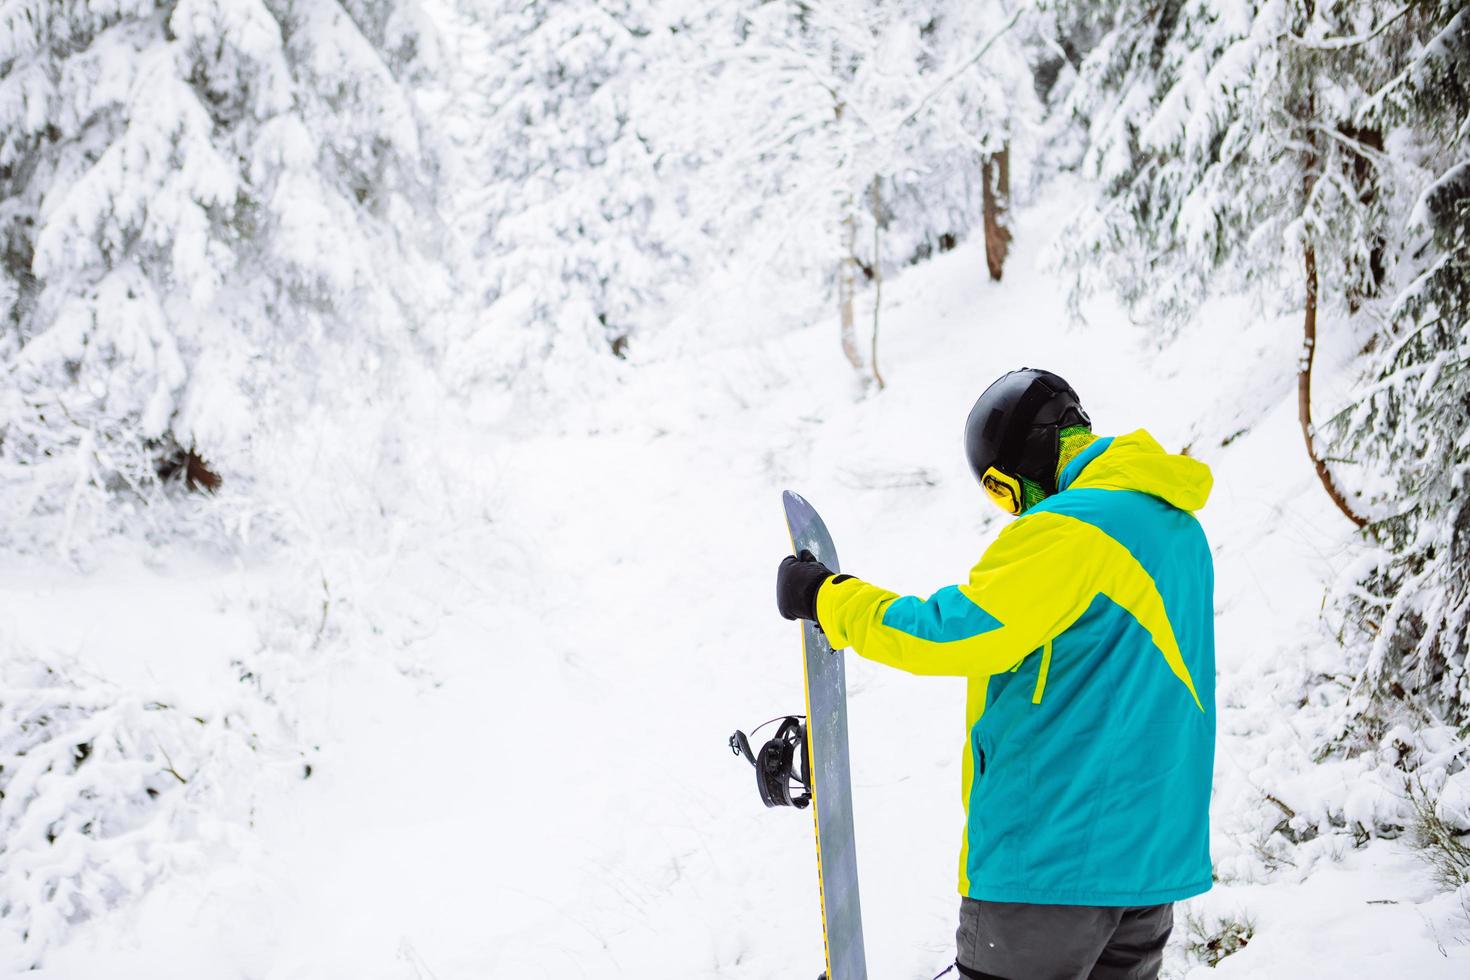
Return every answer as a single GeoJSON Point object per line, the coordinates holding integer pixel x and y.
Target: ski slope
{"type": "Point", "coordinates": [535, 783]}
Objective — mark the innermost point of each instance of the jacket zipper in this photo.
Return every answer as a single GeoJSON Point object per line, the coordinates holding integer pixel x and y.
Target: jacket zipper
{"type": "Point", "coordinates": [1041, 674]}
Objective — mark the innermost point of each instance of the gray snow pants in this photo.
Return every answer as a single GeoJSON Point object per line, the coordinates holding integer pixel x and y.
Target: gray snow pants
{"type": "Point", "coordinates": [1011, 941]}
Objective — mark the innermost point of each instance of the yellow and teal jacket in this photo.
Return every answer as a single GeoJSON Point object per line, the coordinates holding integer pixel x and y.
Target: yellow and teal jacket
{"type": "Point", "coordinates": [1087, 635]}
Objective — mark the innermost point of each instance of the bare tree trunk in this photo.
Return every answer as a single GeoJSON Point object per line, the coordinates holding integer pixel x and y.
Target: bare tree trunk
{"type": "Point", "coordinates": [847, 268]}
{"type": "Point", "coordinates": [1309, 338]}
{"type": "Point", "coordinates": [877, 204]}
{"type": "Point", "coordinates": [996, 203]}
{"type": "Point", "coordinates": [1304, 390]}
{"type": "Point", "coordinates": [847, 289]}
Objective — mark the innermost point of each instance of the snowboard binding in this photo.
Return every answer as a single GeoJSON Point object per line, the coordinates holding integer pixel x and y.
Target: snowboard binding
{"type": "Point", "coordinates": [781, 764]}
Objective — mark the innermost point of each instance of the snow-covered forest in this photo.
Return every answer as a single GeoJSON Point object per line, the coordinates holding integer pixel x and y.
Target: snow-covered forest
{"type": "Point", "coordinates": [396, 395]}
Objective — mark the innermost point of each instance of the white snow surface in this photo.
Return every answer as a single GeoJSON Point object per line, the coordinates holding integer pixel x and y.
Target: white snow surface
{"type": "Point", "coordinates": [530, 778]}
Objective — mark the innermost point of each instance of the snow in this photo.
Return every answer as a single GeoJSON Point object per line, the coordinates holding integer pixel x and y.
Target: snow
{"type": "Point", "coordinates": [1369, 911]}
{"type": "Point", "coordinates": [515, 719]}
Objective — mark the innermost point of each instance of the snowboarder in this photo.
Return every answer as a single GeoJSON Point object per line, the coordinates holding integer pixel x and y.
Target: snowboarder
{"type": "Point", "coordinates": [1086, 632]}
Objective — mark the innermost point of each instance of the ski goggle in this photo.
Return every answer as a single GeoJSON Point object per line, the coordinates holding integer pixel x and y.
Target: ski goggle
{"type": "Point", "coordinates": [1003, 490]}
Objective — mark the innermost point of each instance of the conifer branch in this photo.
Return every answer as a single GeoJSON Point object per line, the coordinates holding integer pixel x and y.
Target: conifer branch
{"type": "Point", "coordinates": [1351, 41]}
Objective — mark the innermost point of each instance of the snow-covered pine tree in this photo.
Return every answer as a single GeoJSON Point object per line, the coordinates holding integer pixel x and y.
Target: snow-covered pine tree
{"type": "Point", "coordinates": [1229, 154]}
{"type": "Point", "coordinates": [575, 203]}
{"type": "Point", "coordinates": [195, 197]}
{"type": "Point", "coordinates": [1320, 146]}
{"type": "Point", "coordinates": [1222, 143]}
{"type": "Point", "coordinates": [1413, 425]}
{"type": "Point", "coordinates": [211, 213]}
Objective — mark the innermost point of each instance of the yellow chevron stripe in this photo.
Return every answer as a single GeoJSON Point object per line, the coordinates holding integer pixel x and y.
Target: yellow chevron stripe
{"type": "Point", "coordinates": [1122, 579]}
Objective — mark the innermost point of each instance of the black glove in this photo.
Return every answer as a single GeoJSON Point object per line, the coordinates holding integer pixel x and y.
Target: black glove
{"type": "Point", "coordinates": [797, 583]}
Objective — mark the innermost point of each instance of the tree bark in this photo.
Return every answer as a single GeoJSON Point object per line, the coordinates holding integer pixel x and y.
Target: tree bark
{"type": "Point", "coordinates": [847, 269]}
{"type": "Point", "coordinates": [1309, 330]}
{"type": "Point", "coordinates": [876, 199]}
{"type": "Point", "coordinates": [996, 205]}
{"type": "Point", "coordinates": [1304, 390]}
{"type": "Point", "coordinates": [847, 290]}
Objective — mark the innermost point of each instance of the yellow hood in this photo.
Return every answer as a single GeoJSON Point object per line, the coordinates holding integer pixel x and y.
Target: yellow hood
{"type": "Point", "coordinates": [1137, 462]}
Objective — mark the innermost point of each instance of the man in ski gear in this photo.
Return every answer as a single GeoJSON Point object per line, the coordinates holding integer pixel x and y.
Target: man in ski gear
{"type": "Point", "coordinates": [1087, 634]}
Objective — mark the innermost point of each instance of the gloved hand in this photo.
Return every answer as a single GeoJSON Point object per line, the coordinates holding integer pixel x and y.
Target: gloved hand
{"type": "Point", "coordinates": [797, 583]}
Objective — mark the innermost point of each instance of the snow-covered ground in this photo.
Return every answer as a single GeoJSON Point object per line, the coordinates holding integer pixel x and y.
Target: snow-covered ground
{"type": "Point", "coordinates": [531, 780]}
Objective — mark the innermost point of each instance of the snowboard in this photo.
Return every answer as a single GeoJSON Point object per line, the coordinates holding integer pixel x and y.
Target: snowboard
{"type": "Point", "coordinates": [827, 764]}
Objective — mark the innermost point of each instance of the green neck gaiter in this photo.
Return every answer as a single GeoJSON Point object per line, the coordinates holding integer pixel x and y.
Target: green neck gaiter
{"type": "Point", "coordinates": [1072, 440]}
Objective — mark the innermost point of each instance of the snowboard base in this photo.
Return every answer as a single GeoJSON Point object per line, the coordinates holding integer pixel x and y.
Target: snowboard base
{"type": "Point", "coordinates": [828, 766]}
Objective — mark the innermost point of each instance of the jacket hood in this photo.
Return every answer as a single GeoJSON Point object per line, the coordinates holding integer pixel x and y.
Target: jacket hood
{"type": "Point", "coordinates": [1137, 462]}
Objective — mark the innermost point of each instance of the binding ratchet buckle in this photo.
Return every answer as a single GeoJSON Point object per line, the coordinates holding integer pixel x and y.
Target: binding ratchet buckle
{"type": "Point", "coordinates": [781, 764]}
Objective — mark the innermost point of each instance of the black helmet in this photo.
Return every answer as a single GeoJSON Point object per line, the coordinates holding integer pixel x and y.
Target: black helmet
{"type": "Point", "coordinates": [1013, 428]}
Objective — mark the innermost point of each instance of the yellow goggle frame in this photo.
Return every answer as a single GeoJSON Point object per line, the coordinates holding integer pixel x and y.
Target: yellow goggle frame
{"type": "Point", "coordinates": [1004, 490]}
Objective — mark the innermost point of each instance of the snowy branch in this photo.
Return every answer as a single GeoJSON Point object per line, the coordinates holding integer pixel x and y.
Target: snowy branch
{"type": "Point", "coordinates": [1340, 43]}
{"type": "Point", "coordinates": [966, 66]}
